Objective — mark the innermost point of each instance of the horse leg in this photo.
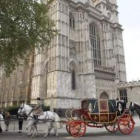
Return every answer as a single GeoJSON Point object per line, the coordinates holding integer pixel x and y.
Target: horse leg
{"type": "Point", "coordinates": [47, 130]}
{"type": "Point", "coordinates": [50, 128]}
{"type": "Point", "coordinates": [31, 131]}
{"type": "Point", "coordinates": [30, 128]}
{"type": "Point", "coordinates": [33, 128]}
{"type": "Point", "coordinates": [55, 129]}
{"type": "Point", "coordinates": [36, 130]}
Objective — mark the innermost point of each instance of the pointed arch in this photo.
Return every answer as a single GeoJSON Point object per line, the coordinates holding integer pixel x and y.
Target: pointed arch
{"type": "Point", "coordinates": [104, 95]}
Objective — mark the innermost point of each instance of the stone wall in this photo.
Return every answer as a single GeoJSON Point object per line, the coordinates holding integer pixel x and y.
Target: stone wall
{"type": "Point", "coordinates": [133, 91]}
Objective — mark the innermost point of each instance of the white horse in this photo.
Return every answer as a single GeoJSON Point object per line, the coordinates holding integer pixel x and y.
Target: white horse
{"type": "Point", "coordinates": [51, 119]}
{"type": "Point", "coordinates": [2, 122]}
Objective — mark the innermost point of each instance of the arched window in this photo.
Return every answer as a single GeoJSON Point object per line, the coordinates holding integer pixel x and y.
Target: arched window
{"type": "Point", "coordinates": [71, 21]}
{"type": "Point", "coordinates": [73, 80]}
{"type": "Point", "coordinates": [95, 43]}
{"type": "Point", "coordinates": [104, 95]}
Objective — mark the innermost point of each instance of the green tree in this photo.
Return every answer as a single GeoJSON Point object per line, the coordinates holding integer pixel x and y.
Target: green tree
{"type": "Point", "coordinates": [24, 26]}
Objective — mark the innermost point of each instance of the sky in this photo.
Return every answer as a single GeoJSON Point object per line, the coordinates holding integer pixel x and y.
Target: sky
{"type": "Point", "coordinates": [129, 18]}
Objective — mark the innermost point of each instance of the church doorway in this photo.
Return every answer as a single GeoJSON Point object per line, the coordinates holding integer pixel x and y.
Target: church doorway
{"type": "Point", "coordinates": [104, 95]}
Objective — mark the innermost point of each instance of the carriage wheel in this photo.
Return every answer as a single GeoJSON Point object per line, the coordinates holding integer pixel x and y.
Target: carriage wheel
{"type": "Point", "coordinates": [67, 127]}
{"type": "Point", "coordinates": [74, 114]}
{"type": "Point", "coordinates": [77, 128]}
{"type": "Point", "coordinates": [112, 128]}
{"type": "Point", "coordinates": [68, 114]}
{"type": "Point", "coordinates": [126, 124]}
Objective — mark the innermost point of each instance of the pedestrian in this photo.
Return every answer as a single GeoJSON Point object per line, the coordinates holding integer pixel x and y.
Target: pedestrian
{"type": "Point", "coordinates": [2, 113]}
{"type": "Point", "coordinates": [7, 120]}
{"type": "Point", "coordinates": [20, 120]}
{"type": "Point", "coordinates": [1, 121]}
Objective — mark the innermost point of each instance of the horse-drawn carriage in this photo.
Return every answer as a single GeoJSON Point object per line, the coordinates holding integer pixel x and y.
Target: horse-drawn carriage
{"type": "Point", "coordinates": [98, 113]}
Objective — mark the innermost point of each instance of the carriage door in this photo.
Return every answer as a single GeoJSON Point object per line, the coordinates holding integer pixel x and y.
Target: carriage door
{"type": "Point", "coordinates": [104, 95]}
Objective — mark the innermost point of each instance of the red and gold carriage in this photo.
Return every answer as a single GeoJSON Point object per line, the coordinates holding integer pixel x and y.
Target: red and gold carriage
{"type": "Point", "coordinates": [98, 113]}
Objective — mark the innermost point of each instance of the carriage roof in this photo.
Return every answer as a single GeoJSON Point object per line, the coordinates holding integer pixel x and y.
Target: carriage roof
{"type": "Point", "coordinates": [97, 105]}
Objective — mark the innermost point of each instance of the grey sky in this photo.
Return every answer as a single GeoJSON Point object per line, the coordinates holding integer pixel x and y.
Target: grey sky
{"type": "Point", "coordinates": [129, 17]}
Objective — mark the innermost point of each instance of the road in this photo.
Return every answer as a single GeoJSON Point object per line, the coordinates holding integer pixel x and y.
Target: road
{"type": "Point", "coordinates": [91, 133]}
{"type": "Point", "coordinates": [104, 135]}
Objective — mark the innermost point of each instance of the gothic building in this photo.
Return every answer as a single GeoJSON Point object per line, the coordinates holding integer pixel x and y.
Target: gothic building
{"type": "Point", "coordinates": [85, 60]}
{"type": "Point", "coordinates": [129, 91]}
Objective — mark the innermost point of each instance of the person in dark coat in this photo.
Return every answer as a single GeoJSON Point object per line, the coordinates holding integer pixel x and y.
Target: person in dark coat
{"type": "Point", "coordinates": [123, 105]}
{"type": "Point", "coordinates": [20, 120]}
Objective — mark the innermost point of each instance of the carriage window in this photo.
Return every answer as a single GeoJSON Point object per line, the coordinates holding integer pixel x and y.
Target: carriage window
{"type": "Point", "coordinates": [84, 105]}
{"type": "Point", "coordinates": [123, 95]}
{"type": "Point", "coordinates": [95, 43]}
{"type": "Point", "coordinates": [73, 81]}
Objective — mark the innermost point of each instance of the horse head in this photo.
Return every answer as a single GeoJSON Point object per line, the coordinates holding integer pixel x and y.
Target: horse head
{"type": "Point", "coordinates": [24, 109]}
{"type": "Point", "coordinates": [131, 108]}
{"type": "Point", "coordinates": [137, 108]}
{"type": "Point", "coordinates": [21, 109]}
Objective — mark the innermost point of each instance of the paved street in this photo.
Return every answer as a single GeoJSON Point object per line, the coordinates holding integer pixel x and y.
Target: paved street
{"type": "Point", "coordinates": [91, 134]}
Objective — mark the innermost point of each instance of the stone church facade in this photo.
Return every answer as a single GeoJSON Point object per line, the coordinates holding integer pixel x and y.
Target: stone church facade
{"type": "Point", "coordinates": [85, 60]}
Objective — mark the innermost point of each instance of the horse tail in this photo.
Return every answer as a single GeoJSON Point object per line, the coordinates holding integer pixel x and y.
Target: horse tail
{"type": "Point", "coordinates": [57, 121]}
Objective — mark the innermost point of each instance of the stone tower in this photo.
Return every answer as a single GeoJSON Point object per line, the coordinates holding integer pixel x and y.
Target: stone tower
{"type": "Point", "coordinates": [66, 71]}
{"type": "Point", "coordinates": [112, 32]}
{"type": "Point", "coordinates": [86, 58]}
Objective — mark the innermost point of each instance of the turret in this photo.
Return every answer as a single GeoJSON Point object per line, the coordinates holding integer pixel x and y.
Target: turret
{"type": "Point", "coordinates": [108, 9]}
